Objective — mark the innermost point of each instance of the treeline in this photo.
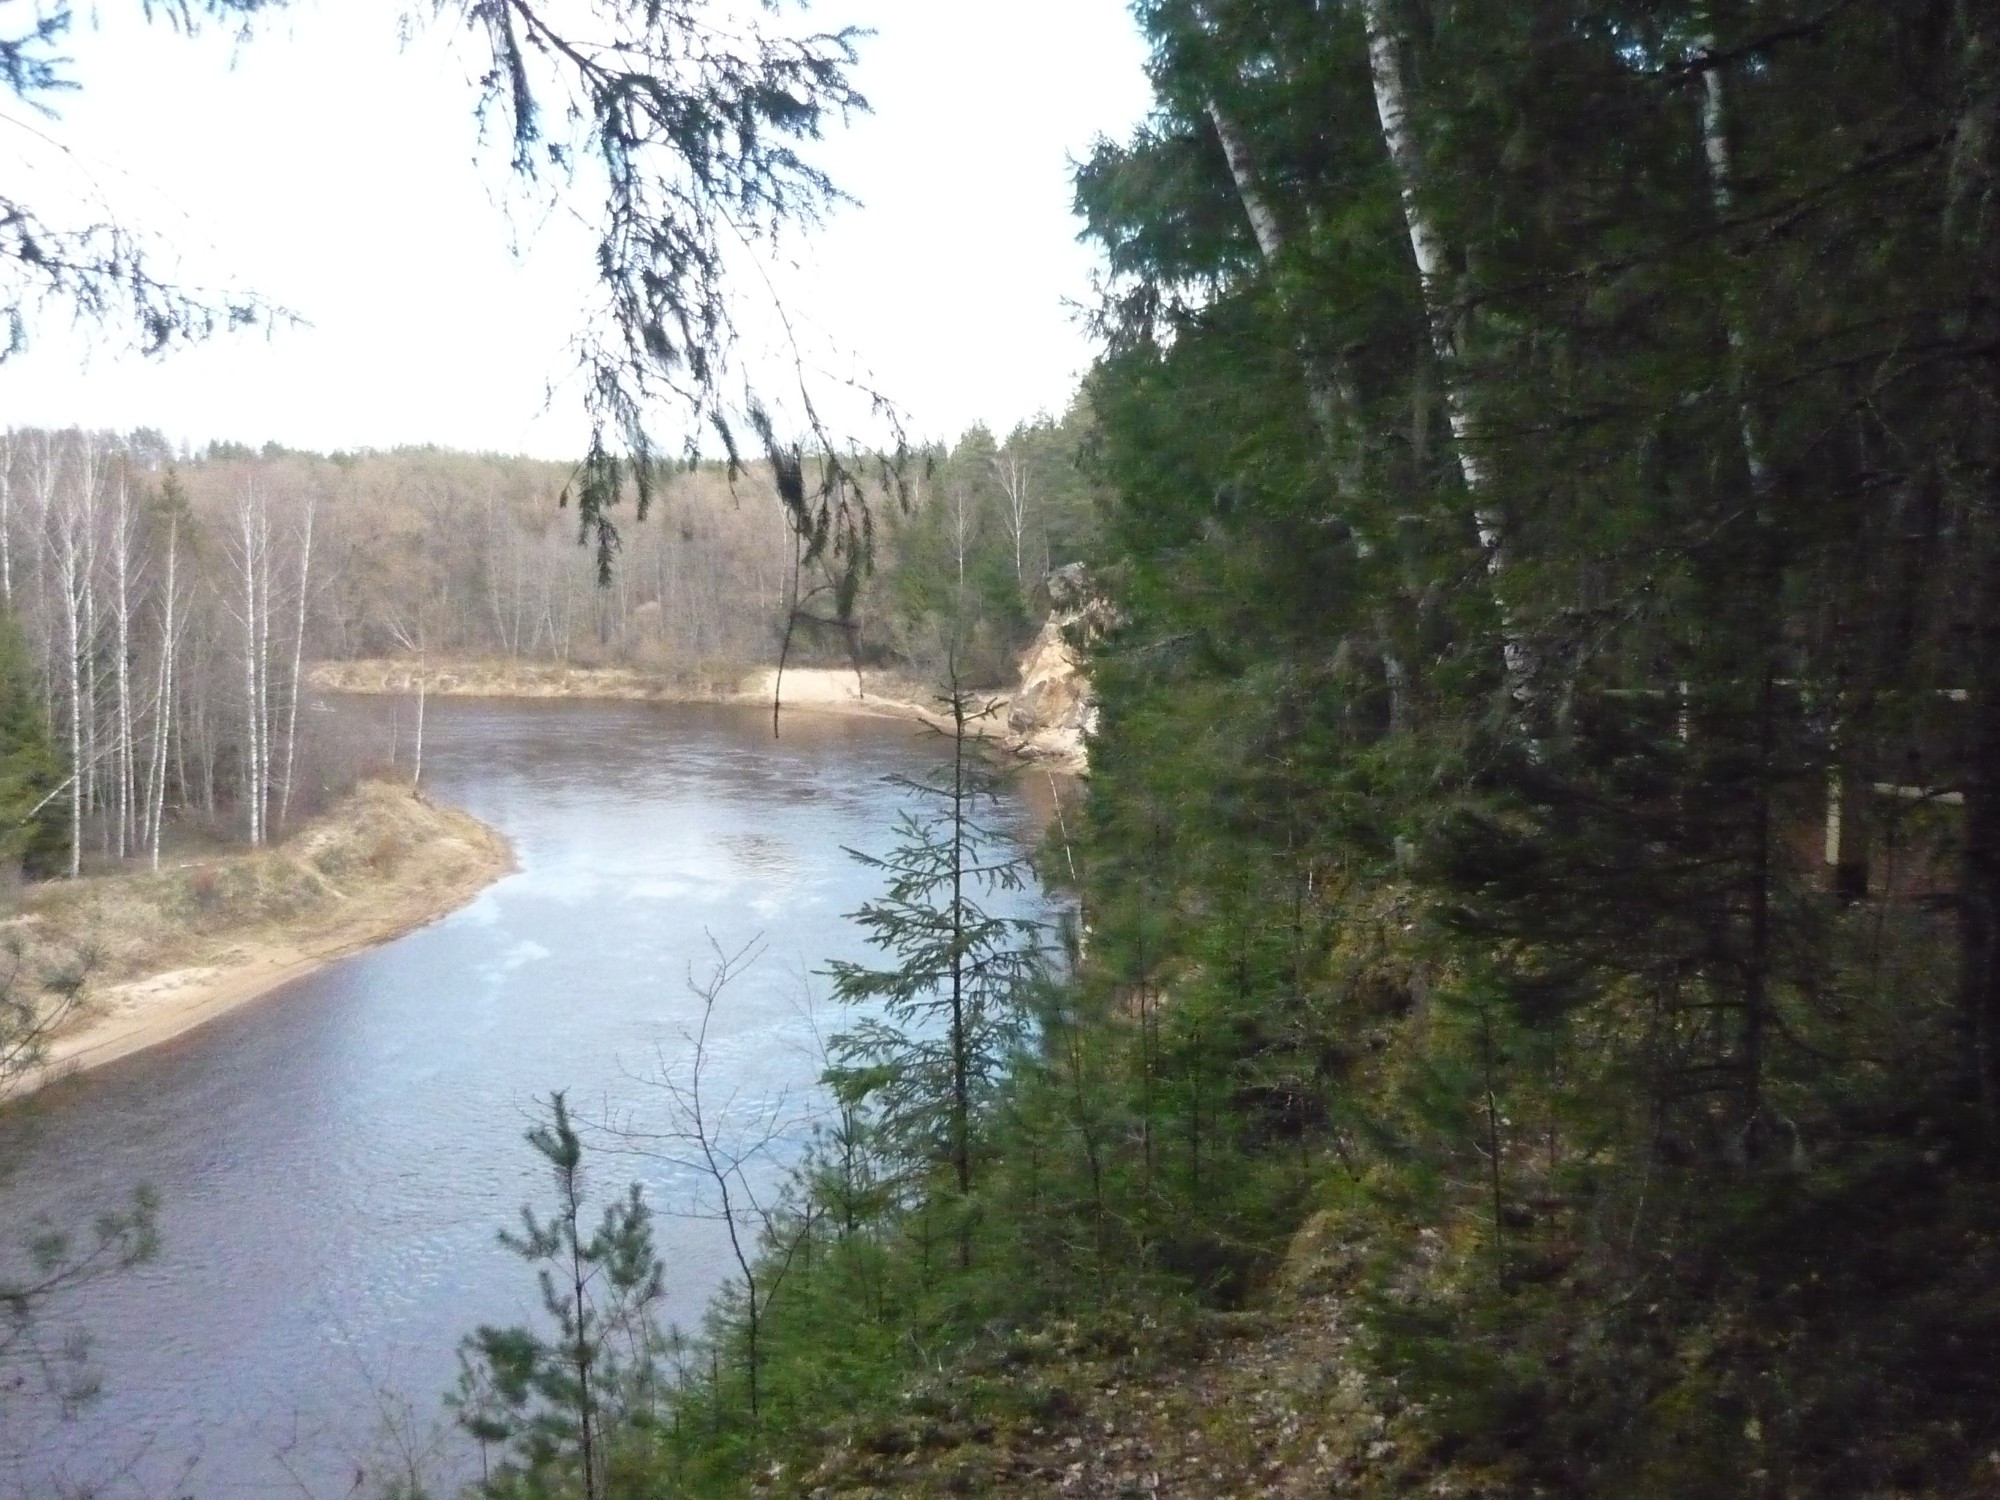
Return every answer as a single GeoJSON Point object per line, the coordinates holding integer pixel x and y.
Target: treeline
{"type": "Point", "coordinates": [168, 606]}
{"type": "Point", "coordinates": [170, 609]}
{"type": "Point", "coordinates": [1545, 829]}
{"type": "Point", "coordinates": [967, 557]}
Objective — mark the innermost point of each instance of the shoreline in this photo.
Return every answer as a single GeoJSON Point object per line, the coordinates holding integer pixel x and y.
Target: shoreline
{"type": "Point", "coordinates": [804, 689]}
{"type": "Point", "coordinates": [237, 965]}
{"type": "Point", "coordinates": [814, 690]}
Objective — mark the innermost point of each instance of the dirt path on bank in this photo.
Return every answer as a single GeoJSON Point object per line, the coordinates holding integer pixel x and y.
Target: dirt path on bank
{"type": "Point", "coordinates": [174, 950]}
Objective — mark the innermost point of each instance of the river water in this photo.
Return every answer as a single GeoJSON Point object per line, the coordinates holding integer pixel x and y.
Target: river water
{"type": "Point", "coordinates": [334, 1161]}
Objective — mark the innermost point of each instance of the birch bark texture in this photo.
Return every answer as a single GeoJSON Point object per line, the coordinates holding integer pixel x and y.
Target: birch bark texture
{"type": "Point", "coordinates": [1428, 248]}
{"type": "Point", "coordinates": [297, 683]}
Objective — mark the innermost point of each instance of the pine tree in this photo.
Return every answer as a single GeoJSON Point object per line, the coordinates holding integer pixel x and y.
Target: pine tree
{"type": "Point", "coordinates": [568, 1414]}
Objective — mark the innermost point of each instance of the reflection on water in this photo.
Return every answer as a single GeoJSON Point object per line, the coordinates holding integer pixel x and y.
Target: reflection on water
{"type": "Point", "coordinates": [335, 1161]}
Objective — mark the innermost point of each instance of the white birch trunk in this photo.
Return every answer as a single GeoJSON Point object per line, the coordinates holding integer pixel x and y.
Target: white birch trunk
{"type": "Point", "coordinates": [1329, 385]}
{"type": "Point", "coordinates": [42, 488]}
{"type": "Point", "coordinates": [123, 759]}
{"type": "Point", "coordinates": [1014, 484]}
{"type": "Point", "coordinates": [1721, 190]}
{"type": "Point", "coordinates": [298, 662]}
{"type": "Point", "coordinates": [417, 775]}
{"type": "Point", "coordinates": [1330, 390]}
{"type": "Point", "coordinates": [264, 669]}
{"type": "Point", "coordinates": [69, 561]}
{"type": "Point", "coordinates": [1392, 108]}
{"type": "Point", "coordinates": [163, 709]}
{"type": "Point", "coordinates": [1264, 224]}
{"type": "Point", "coordinates": [87, 647]}
{"type": "Point", "coordinates": [247, 518]}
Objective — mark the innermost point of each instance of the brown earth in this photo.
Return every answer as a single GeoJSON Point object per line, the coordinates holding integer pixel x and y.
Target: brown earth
{"type": "Point", "coordinates": [1271, 1404]}
{"type": "Point", "coordinates": [166, 952]}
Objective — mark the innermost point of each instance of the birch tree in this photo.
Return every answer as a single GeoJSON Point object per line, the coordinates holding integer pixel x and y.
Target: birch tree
{"type": "Point", "coordinates": [253, 543]}
{"type": "Point", "coordinates": [163, 692]}
{"type": "Point", "coordinates": [1012, 472]}
{"type": "Point", "coordinates": [1427, 246]}
{"type": "Point", "coordinates": [68, 523]}
{"type": "Point", "coordinates": [87, 482]}
{"type": "Point", "coordinates": [295, 686]}
{"type": "Point", "coordinates": [124, 760]}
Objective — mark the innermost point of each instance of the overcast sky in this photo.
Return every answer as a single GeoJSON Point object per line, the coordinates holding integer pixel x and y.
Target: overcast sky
{"type": "Point", "coordinates": [334, 172]}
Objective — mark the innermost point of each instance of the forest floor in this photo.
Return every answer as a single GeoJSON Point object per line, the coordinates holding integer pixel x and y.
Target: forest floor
{"type": "Point", "coordinates": [1270, 1404]}
{"type": "Point", "coordinates": [167, 952]}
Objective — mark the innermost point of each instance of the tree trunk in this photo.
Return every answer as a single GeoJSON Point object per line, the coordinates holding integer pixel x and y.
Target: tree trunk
{"type": "Point", "coordinates": [87, 583]}
{"type": "Point", "coordinates": [7, 521]}
{"type": "Point", "coordinates": [124, 763]}
{"type": "Point", "coordinates": [1979, 858]}
{"type": "Point", "coordinates": [1721, 187]}
{"type": "Point", "coordinates": [263, 740]}
{"type": "Point", "coordinates": [1264, 224]}
{"type": "Point", "coordinates": [298, 665]}
{"type": "Point", "coordinates": [73, 623]}
{"type": "Point", "coordinates": [1392, 108]}
{"type": "Point", "coordinates": [417, 775]}
{"type": "Point", "coordinates": [252, 798]}
{"type": "Point", "coordinates": [163, 711]}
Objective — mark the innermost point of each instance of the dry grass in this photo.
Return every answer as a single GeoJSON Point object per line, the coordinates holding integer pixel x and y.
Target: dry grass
{"type": "Point", "coordinates": [383, 856]}
{"type": "Point", "coordinates": [501, 678]}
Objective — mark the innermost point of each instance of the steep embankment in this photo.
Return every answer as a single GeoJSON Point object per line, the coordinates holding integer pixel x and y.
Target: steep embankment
{"type": "Point", "coordinates": [1053, 712]}
{"type": "Point", "coordinates": [170, 951]}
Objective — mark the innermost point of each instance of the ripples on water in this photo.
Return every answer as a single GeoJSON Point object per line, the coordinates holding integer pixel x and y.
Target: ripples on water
{"type": "Point", "coordinates": [335, 1161]}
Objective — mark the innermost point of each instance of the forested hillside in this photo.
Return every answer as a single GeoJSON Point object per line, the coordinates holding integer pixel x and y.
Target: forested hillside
{"type": "Point", "coordinates": [1541, 880]}
{"type": "Point", "coordinates": [1552, 761]}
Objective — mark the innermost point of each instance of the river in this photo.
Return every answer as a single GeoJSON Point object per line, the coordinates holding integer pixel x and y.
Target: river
{"type": "Point", "coordinates": [334, 1161]}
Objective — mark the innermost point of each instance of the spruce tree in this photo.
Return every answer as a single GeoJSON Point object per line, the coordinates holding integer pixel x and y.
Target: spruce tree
{"type": "Point", "coordinates": [938, 1024]}
{"type": "Point", "coordinates": [31, 835]}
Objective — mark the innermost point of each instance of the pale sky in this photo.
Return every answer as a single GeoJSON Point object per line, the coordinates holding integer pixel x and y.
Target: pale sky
{"type": "Point", "coordinates": [334, 173]}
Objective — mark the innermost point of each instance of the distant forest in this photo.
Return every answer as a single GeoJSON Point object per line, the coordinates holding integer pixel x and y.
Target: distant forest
{"type": "Point", "coordinates": [164, 609]}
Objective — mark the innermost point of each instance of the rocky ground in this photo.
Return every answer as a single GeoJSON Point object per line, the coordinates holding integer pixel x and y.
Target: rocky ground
{"type": "Point", "coordinates": [1267, 1405]}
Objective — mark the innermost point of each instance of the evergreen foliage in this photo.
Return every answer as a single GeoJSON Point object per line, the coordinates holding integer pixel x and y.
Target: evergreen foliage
{"type": "Point", "coordinates": [31, 780]}
{"type": "Point", "coordinates": [568, 1415]}
{"type": "Point", "coordinates": [967, 562]}
{"type": "Point", "coordinates": [944, 1019]}
{"type": "Point", "coordinates": [1544, 833]}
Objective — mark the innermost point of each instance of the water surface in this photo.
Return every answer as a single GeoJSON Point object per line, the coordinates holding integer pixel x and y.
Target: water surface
{"type": "Point", "coordinates": [334, 1161]}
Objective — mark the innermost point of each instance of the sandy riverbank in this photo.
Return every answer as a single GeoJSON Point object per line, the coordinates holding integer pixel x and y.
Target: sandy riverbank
{"type": "Point", "coordinates": [835, 690]}
{"type": "Point", "coordinates": [176, 949]}
{"type": "Point", "coordinates": [1047, 720]}
{"type": "Point", "coordinates": [839, 691]}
